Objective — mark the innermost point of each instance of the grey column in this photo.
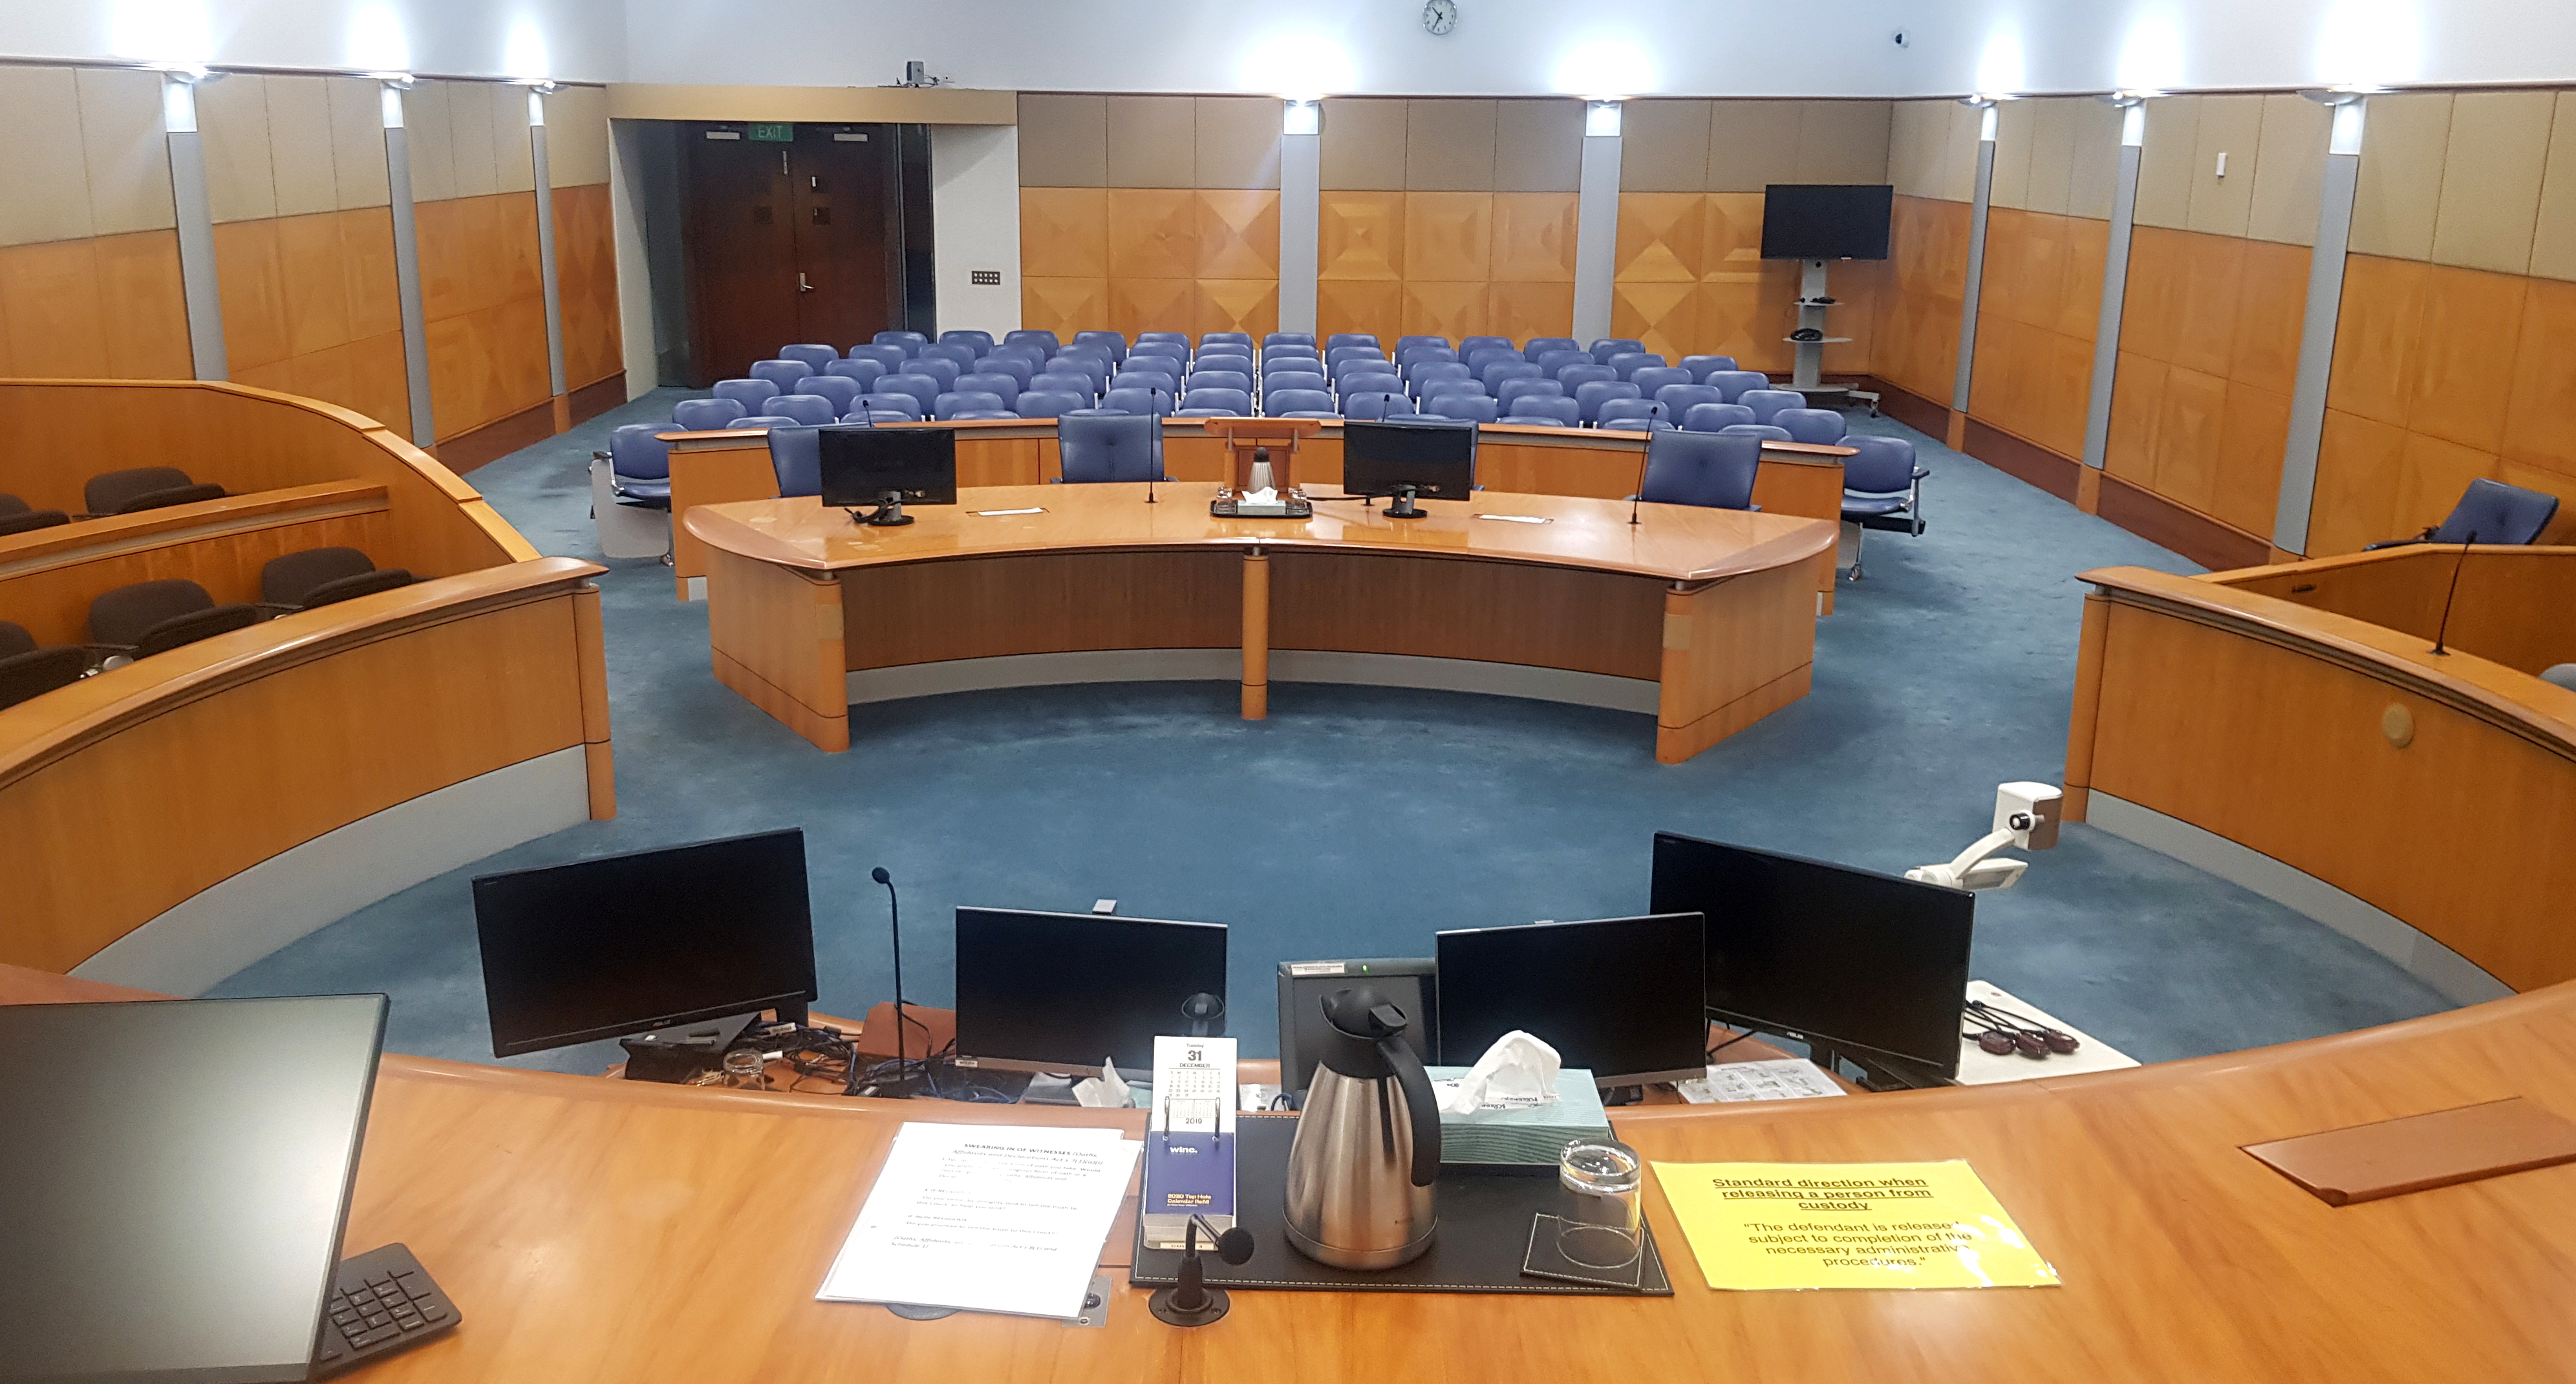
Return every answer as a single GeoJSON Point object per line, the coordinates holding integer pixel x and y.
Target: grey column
{"type": "Point", "coordinates": [1596, 234]}
{"type": "Point", "coordinates": [199, 288]}
{"type": "Point", "coordinates": [1301, 210]}
{"type": "Point", "coordinates": [2317, 330]}
{"type": "Point", "coordinates": [415, 326]}
{"type": "Point", "coordinates": [546, 242]}
{"type": "Point", "coordinates": [1976, 261]}
{"type": "Point", "coordinates": [2115, 286]}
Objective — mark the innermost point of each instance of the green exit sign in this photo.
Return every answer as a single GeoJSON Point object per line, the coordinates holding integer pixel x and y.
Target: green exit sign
{"type": "Point", "coordinates": [774, 132]}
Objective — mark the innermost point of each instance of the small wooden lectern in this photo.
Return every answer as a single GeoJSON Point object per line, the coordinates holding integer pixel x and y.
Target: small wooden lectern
{"type": "Point", "coordinates": [1280, 435]}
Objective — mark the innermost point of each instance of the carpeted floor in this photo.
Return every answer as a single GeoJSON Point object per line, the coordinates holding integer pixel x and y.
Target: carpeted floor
{"type": "Point", "coordinates": [1359, 821]}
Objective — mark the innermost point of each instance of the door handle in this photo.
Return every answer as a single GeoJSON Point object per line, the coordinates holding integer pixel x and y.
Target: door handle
{"type": "Point", "coordinates": [801, 285]}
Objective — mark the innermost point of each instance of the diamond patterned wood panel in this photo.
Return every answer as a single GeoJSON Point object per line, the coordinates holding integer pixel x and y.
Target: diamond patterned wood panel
{"type": "Point", "coordinates": [1153, 233]}
{"type": "Point", "coordinates": [2035, 345]}
{"type": "Point", "coordinates": [1152, 305]}
{"type": "Point", "coordinates": [1522, 311]}
{"type": "Point", "coordinates": [1237, 305]}
{"type": "Point", "coordinates": [1369, 306]}
{"type": "Point", "coordinates": [1533, 239]}
{"type": "Point", "coordinates": [1915, 341]}
{"type": "Point", "coordinates": [1238, 235]}
{"type": "Point", "coordinates": [1360, 235]}
{"type": "Point", "coordinates": [1665, 316]}
{"type": "Point", "coordinates": [1064, 233]}
{"type": "Point", "coordinates": [1064, 306]}
{"type": "Point", "coordinates": [1449, 236]}
{"type": "Point", "coordinates": [1661, 238]}
{"type": "Point", "coordinates": [1452, 310]}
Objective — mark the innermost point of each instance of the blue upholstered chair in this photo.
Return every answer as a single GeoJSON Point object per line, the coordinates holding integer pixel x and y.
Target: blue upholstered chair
{"type": "Point", "coordinates": [1137, 377]}
{"type": "Point", "coordinates": [997, 384]}
{"type": "Point", "coordinates": [1555, 411]}
{"type": "Point", "coordinates": [840, 389]}
{"type": "Point", "coordinates": [1735, 384]}
{"type": "Point", "coordinates": [1483, 356]}
{"type": "Point", "coordinates": [871, 417]}
{"type": "Point", "coordinates": [1627, 363]}
{"type": "Point", "coordinates": [706, 415]}
{"type": "Point", "coordinates": [1170, 355]}
{"type": "Point", "coordinates": [981, 341]}
{"type": "Point", "coordinates": [1764, 432]}
{"type": "Point", "coordinates": [904, 404]}
{"type": "Point", "coordinates": [1581, 373]}
{"type": "Point", "coordinates": [1045, 341]}
{"type": "Point", "coordinates": [862, 373]}
{"type": "Point", "coordinates": [796, 456]}
{"type": "Point", "coordinates": [924, 389]}
{"type": "Point", "coordinates": [1592, 394]}
{"type": "Point", "coordinates": [1680, 399]}
{"type": "Point", "coordinates": [1287, 339]}
{"type": "Point", "coordinates": [1050, 403]}
{"type": "Point", "coordinates": [1633, 415]}
{"type": "Point", "coordinates": [886, 354]}
{"type": "Point", "coordinates": [1700, 366]}
{"type": "Point", "coordinates": [1297, 403]}
{"type": "Point", "coordinates": [1520, 386]}
{"type": "Point", "coordinates": [1387, 403]}
{"type": "Point", "coordinates": [1152, 403]}
{"type": "Point", "coordinates": [1405, 343]}
{"type": "Point", "coordinates": [1549, 362]}
{"type": "Point", "coordinates": [813, 356]}
{"type": "Point", "coordinates": [1180, 339]}
{"type": "Point", "coordinates": [957, 403]}
{"type": "Point", "coordinates": [1223, 358]}
{"type": "Point", "coordinates": [639, 463]}
{"type": "Point", "coordinates": [1110, 342]}
{"type": "Point", "coordinates": [1289, 379]}
{"type": "Point", "coordinates": [1431, 372]}
{"type": "Point", "coordinates": [1715, 417]}
{"type": "Point", "coordinates": [1348, 339]}
{"type": "Point", "coordinates": [1218, 379]}
{"type": "Point", "coordinates": [1608, 346]}
{"type": "Point", "coordinates": [1242, 339]}
{"type": "Point", "coordinates": [1542, 346]}
{"type": "Point", "coordinates": [1655, 377]}
{"type": "Point", "coordinates": [1468, 346]}
{"type": "Point", "coordinates": [1100, 449]}
{"type": "Point", "coordinates": [781, 373]}
{"type": "Point", "coordinates": [763, 422]}
{"type": "Point", "coordinates": [2494, 512]}
{"type": "Point", "coordinates": [1821, 426]}
{"type": "Point", "coordinates": [809, 409]}
{"type": "Point", "coordinates": [1768, 403]}
{"type": "Point", "coordinates": [1368, 382]}
{"type": "Point", "coordinates": [1066, 382]}
{"type": "Point", "coordinates": [1510, 367]}
{"type": "Point", "coordinates": [1712, 470]}
{"type": "Point", "coordinates": [939, 368]}
{"type": "Point", "coordinates": [1407, 357]}
{"type": "Point", "coordinates": [1469, 408]}
{"type": "Point", "coordinates": [1215, 403]}
{"type": "Point", "coordinates": [911, 342]}
{"type": "Point", "coordinates": [1096, 368]}
{"type": "Point", "coordinates": [1882, 489]}
{"type": "Point", "coordinates": [1019, 368]}
{"type": "Point", "coordinates": [1339, 354]}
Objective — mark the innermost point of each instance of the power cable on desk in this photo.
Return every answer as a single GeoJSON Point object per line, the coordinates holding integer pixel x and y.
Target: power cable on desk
{"type": "Point", "coordinates": [1731, 1042]}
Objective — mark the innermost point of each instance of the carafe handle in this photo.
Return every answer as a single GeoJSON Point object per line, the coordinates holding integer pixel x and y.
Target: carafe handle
{"type": "Point", "coordinates": [1420, 1104]}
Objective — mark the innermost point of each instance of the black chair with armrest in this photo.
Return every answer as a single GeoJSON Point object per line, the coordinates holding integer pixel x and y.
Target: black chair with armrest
{"type": "Point", "coordinates": [28, 670]}
{"type": "Point", "coordinates": [324, 576]}
{"type": "Point", "coordinates": [151, 617]}
{"type": "Point", "coordinates": [2491, 512]}
{"type": "Point", "coordinates": [17, 516]}
{"type": "Point", "coordinates": [139, 488]}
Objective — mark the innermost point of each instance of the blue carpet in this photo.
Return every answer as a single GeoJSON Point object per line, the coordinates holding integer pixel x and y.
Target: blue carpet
{"type": "Point", "coordinates": [1359, 821]}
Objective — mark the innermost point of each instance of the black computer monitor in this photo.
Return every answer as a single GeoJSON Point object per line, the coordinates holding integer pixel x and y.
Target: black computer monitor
{"type": "Point", "coordinates": [173, 1178]}
{"type": "Point", "coordinates": [1410, 983]}
{"type": "Point", "coordinates": [631, 943]}
{"type": "Point", "coordinates": [1619, 996]}
{"type": "Point", "coordinates": [1417, 459]}
{"type": "Point", "coordinates": [1823, 221]}
{"type": "Point", "coordinates": [1060, 992]}
{"type": "Point", "coordinates": [1871, 966]}
{"type": "Point", "coordinates": [886, 467]}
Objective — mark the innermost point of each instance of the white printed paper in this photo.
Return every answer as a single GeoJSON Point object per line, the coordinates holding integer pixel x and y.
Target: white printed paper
{"type": "Point", "coordinates": [1786, 1078]}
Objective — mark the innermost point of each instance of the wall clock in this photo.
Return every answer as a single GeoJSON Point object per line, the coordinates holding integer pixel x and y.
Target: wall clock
{"type": "Point", "coordinates": [1440, 16]}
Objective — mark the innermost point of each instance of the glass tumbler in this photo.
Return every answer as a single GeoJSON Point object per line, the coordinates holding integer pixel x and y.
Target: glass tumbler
{"type": "Point", "coordinates": [1600, 1203]}
{"type": "Point", "coordinates": [744, 1071]}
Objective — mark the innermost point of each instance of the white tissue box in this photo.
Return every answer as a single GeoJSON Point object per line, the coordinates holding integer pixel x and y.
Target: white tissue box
{"type": "Point", "coordinates": [1531, 1136]}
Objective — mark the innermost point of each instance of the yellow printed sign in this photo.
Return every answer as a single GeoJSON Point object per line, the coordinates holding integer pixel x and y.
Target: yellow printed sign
{"type": "Point", "coordinates": [1849, 1225]}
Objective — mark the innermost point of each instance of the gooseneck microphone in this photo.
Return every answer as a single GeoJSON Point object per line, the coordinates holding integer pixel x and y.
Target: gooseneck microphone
{"type": "Point", "coordinates": [2444, 628]}
{"type": "Point", "coordinates": [1191, 1302]}
{"type": "Point", "coordinates": [902, 1082]}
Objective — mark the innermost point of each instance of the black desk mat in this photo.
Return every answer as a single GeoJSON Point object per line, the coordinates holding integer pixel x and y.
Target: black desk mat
{"type": "Point", "coordinates": [1480, 1246]}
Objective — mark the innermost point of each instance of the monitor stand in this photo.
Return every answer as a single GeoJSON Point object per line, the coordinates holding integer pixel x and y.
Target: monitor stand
{"type": "Point", "coordinates": [889, 512]}
{"type": "Point", "coordinates": [1404, 507]}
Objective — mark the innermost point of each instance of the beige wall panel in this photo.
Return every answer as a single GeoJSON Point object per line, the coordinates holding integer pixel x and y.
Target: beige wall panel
{"type": "Point", "coordinates": [1150, 141]}
{"type": "Point", "coordinates": [2093, 171]}
{"type": "Point", "coordinates": [2232, 125]}
{"type": "Point", "coordinates": [1915, 130]}
{"type": "Point", "coordinates": [2400, 190]}
{"type": "Point", "coordinates": [1064, 141]}
{"type": "Point", "coordinates": [514, 160]}
{"type": "Point", "coordinates": [469, 133]}
{"type": "Point", "coordinates": [357, 143]}
{"type": "Point", "coordinates": [2165, 162]}
{"type": "Point", "coordinates": [44, 189]}
{"type": "Point", "coordinates": [299, 145]}
{"type": "Point", "coordinates": [1752, 144]}
{"type": "Point", "coordinates": [2289, 170]}
{"type": "Point", "coordinates": [1237, 142]}
{"type": "Point", "coordinates": [1959, 154]}
{"type": "Point", "coordinates": [2016, 129]}
{"type": "Point", "coordinates": [2499, 147]}
{"type": "Point", "coordinates": [232, 125]}
{"type": "Point", "coordinates": [432, 144]}
{"type": "Point", "coordinates": [2553, 240]}
{"type": "Point", "coordinates": [2052, 154]}
{"type": "Point", "coordinates": [1363, 145]}
{"type": "Point", "coordinates": [1843, 141]}
{"type": "Point", "coordinates": [1449, 145]}
{"type": "Point", "coordinates": [577, 136]}
{"type": "Point", "coordinates": [1663, 146]}
{"type": "Point", "coordinates": [1538, 146]}
{"type": "Point", "coordinates": [126, 156]}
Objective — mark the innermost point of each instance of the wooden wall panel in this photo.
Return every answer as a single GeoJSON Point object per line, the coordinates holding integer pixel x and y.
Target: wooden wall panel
{"type": "Point", "coordinates": [2442, 375]}
{"type": "Point", "coordinates": [2209, 341]}
{"type": "Point", "coordinates": [1691, 280]}
{"type": "Point", "coordinates": [1064, 233]}
{"type": "Point", "coordinates": [586, 275]}
{"type": "Point", "coordinates": [483, 298]}
{"type": "Point", "coordinates": [2035, 323]}
{"type": "Point", "coordinates": [98, 307]}
{"type": "Point", "coordinates": [310, 308]}
{"type": "Point", "coordinates": [1916, 344]}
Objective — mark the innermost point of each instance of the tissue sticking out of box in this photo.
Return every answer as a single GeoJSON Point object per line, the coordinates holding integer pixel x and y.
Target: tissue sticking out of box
{"type": "Point", "coordinates": [1107, 1089]}
{"type": "Point", "coordinates": [1517, 1072]}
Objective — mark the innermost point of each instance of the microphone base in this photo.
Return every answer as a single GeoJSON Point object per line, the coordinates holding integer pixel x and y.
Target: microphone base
{"type": "Point", "coordinates": [1161, 1306]}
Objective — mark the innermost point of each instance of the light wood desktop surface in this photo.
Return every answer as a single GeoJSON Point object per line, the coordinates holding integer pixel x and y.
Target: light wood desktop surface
{"type": "Point", "coordinates": [1716, 607]}
{"type": "Point", "coordinates": [600, 1230]}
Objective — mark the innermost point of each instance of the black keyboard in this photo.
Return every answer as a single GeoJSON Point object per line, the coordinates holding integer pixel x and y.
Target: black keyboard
{"type": "Point", "coordinates": [385, 1303]}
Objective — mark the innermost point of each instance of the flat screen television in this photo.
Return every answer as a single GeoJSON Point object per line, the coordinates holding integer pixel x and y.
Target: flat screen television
{"type": "Point", "coordinates": [1826, 221]}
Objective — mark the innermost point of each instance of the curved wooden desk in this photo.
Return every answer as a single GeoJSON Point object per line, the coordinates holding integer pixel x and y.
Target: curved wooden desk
{"type": "Point", "coordinates": [1714, 609]}
{"type": "Point", "coordinates": [2422, 802]}
{"type": "Point", "coordinates": [600, 1230]}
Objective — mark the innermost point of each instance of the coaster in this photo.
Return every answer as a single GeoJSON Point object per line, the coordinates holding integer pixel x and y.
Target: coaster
{"type": "Point", "coordinates": [1544, 1260]}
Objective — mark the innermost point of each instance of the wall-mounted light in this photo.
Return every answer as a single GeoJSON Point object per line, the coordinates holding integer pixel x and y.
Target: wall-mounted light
{"type": "Point", "coordinates": [1601, 118]}
{"type": "Point", "coordinates": [1301, 116]}
{"type": "Point", "coordinates": [1610, 70]}
{"type": "Point", "coordinates": [179, 98]}
{"type": "Point", "coordinates": [2348, 102]}
{"type": "Point", "coordinates": [1298, 67]}
{"type": "Point", "coordinates": [2133, 116]}
{"type": "Point", "coordinates": [389, 94]}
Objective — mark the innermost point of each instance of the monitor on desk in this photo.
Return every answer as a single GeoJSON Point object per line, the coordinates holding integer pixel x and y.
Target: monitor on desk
{"type": "Point", "coordinates": [1619, 996]}
{"type": "Point", "coordinates": [1061, 992]}
{"type": "Point", "coordinates": [173, 1178]}
{"type": "Point", "coordinates": [628, 944]}
{"type": "Point", "coordinates": [1436, 461]}
{"type": "Point", "coordinates": [1870, 965]}
{"type": "Point", "coordinates": [1411, 983]}
{"type": "Point", "coordinates": [861, 464]}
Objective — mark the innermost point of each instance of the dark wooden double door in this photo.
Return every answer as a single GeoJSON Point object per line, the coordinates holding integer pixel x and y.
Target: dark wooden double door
{"type": "Point", "coordinates": [788, 241]}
